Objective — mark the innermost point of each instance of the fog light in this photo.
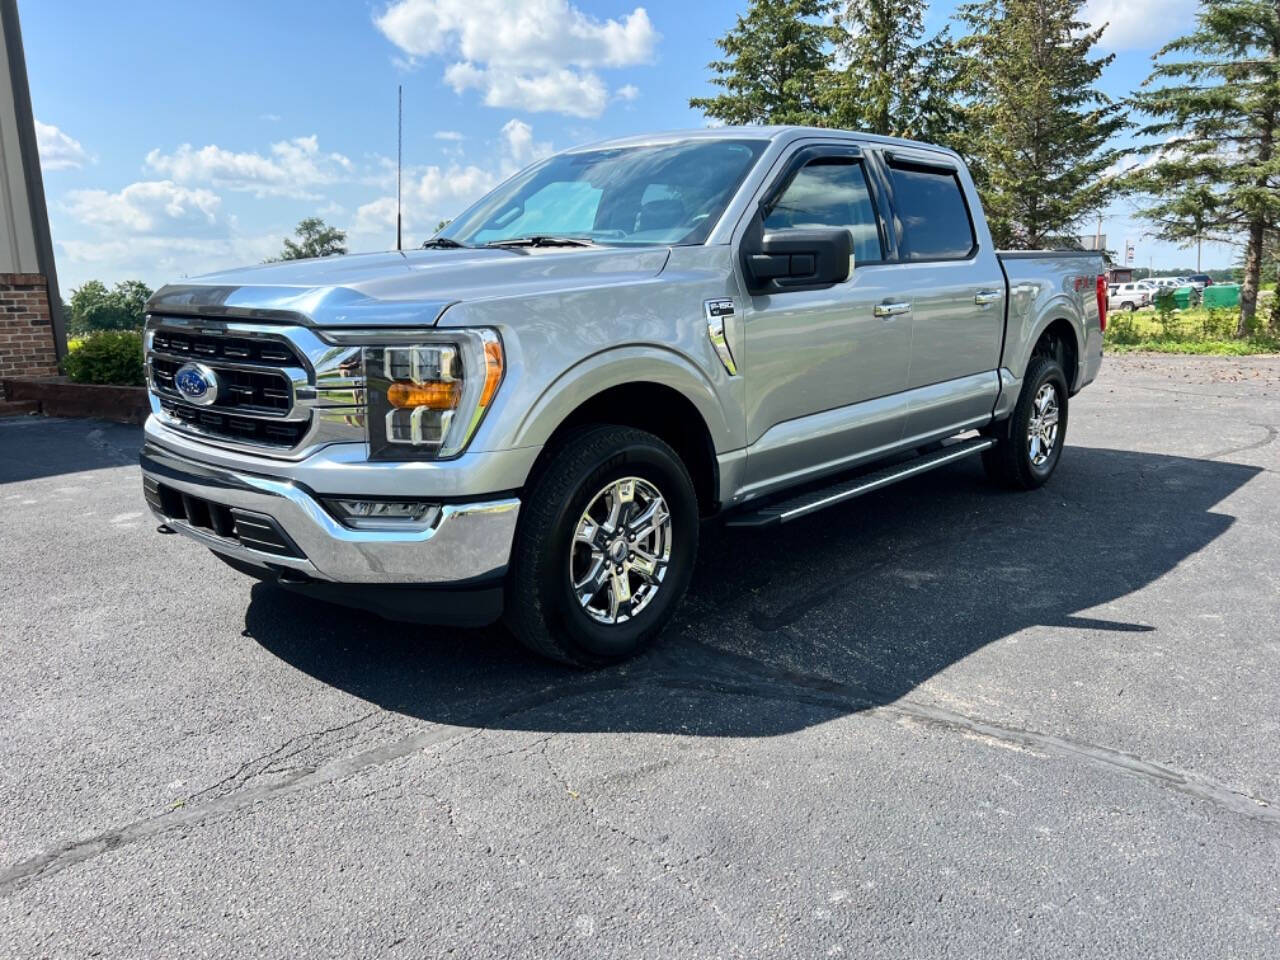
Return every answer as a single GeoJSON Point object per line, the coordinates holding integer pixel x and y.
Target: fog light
{"type": "Point", "coordinates": [385, 514]}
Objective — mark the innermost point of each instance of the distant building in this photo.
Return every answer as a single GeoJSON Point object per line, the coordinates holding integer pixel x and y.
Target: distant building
{"type": "Point", "coordinates": [32, 337]}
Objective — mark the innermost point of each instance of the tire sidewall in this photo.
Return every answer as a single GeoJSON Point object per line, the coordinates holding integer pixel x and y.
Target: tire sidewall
{"type": "Point", "coordinates": [564, 614]}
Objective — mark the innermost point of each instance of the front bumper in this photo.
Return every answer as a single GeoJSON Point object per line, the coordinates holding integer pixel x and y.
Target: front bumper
{"type": "Point", "coordinates": [279, 526]}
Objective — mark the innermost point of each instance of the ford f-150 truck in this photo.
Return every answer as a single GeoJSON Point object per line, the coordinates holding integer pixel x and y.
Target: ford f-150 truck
{"type": "Point", "coordinates": [531, 416]}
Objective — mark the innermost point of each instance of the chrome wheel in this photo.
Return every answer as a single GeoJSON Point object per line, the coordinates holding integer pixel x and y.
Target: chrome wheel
{"type": "Point", "coordinates": [621, 550]}
{"type": "Point", "coordinates": [1042, 428]}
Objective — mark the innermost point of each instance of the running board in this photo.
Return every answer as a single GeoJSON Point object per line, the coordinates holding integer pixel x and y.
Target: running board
{"type": "Point", "coordinates": [816, 500]}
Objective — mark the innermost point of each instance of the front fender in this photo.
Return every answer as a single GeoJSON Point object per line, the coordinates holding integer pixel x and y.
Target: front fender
{"type": "Point", "coordinates": [619, 366]}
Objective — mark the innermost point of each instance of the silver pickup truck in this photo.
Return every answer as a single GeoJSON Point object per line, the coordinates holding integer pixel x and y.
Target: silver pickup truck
{"type": "Point", "coordinates": [531, 417]}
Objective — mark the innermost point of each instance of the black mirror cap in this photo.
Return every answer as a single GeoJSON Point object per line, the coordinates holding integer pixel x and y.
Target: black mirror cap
{"type": "Point", "coordinates": [799, 258]}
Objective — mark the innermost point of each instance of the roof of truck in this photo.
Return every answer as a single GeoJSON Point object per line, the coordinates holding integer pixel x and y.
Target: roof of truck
{"type": "Point", "coordinates": [773, 133]}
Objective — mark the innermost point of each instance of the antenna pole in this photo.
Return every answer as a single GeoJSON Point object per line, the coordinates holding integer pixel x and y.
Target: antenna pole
{"type": "Point", "coordinates": [399, 153]}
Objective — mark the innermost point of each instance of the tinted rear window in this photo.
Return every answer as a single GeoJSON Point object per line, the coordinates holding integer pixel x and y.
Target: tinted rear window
{"type": "Point", "coordinates": [931, 208]}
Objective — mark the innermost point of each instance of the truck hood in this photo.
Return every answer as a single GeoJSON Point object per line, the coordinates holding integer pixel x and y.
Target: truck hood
{"type": "Point", "coordinates": [412, 288]}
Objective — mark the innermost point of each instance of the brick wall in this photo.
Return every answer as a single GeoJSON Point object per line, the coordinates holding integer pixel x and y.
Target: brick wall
{"type": "Point", "coordinates": [26, 327]}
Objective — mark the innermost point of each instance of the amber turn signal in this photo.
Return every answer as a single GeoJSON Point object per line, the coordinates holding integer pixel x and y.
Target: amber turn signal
{"type": "Point", "coordinates": [492, 371]}
{"type": "Point", "coordinates": [435, 395]}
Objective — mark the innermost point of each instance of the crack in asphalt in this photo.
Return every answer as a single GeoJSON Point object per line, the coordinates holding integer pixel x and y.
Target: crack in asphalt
{"type": "Point", "coordinates": [267, 762]}
{"type": "Point", "coordinates": [670, 868]}
{"type": "Point", "coordinates": [1269, 438]}
{"type": "Point", "coordinates": [735, 675]}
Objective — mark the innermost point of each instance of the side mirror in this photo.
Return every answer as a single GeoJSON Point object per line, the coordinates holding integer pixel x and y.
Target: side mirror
{"type": "Point", "coordinates": [779, 260]}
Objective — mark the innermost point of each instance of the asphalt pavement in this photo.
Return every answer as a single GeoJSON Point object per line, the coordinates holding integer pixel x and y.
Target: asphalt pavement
{"type": "Point", "coordinates": [941, 721]}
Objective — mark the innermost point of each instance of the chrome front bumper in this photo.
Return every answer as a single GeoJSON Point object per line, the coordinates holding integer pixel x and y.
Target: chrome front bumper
{"type": "Point", "coordinates": [470, 542]}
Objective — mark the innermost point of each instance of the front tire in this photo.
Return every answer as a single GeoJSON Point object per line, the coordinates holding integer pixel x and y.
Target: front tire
{"type": "Point", "coordinates": [605, 548]}
{"type": "Point", "coordinates": [1029, 448]}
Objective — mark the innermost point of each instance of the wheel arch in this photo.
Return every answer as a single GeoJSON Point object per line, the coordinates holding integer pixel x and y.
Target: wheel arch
{"type": "Point", "coordinates": [656, 391]}
{"type": "Point", "coordinates": [1061, 338]}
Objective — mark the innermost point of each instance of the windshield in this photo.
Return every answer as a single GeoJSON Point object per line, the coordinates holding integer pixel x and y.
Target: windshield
{"type": "Point", "coordinates": [670, 193]}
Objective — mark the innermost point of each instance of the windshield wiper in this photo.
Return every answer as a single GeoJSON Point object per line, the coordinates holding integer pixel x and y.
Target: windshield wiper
{"type": "Point", "coordinates": [443, 243]}
{"type": "Point", "coordinates": [542, 240]}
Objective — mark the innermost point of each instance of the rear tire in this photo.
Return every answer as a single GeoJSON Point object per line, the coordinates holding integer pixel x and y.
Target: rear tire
{"type": "Point", "coordinates": [1029, 447]}
{"type": "Point", "coordinates": [605, 547]}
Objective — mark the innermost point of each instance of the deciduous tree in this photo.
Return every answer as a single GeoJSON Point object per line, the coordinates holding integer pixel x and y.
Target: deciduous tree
{"type": "Point", "coordinates": [315, 239]}
{"type": "Point", "coordinates": [94, 307]}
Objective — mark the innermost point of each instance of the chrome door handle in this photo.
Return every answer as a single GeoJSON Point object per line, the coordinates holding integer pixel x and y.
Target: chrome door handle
{"type": "Point", "coordinates": [892, 309]}
{"type": "Point", "coordinates": [983, 297]}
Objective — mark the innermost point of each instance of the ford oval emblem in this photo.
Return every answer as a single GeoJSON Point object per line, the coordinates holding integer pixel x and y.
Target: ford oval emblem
{"type": "Point", "coordinates": [197, 383]}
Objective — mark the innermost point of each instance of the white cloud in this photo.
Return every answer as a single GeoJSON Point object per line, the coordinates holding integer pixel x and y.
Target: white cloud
{"type": "Point", "coordinates": [57, 150]}
{"type": "Point", "coordinates": [519, 147]}
{"type": "Point", "coordinates": [628, 91]}
{"type": "Point", "coordinates": [560, 91]}
{"type": "Point", "coordinates": [293, 167]}
{"type": "Point", "coordinates": [527, 54]}
{"type": "Point", "coordinates": [375, 220]}
{"type": "Point", "coordinates": [440, 192]}
{"type": "Point", "coordinates": [147, 207]}
{"type": "Point", "coordinates": [431, 194]}
{"type": "Point", "coordinates": [451, 135]}
{"type": "Point", "coordinates": [1140, 24]}
{"type": "Point", "coordinates": [155, 231]}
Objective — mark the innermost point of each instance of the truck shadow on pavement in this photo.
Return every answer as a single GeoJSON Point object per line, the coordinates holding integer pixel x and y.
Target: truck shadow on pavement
{"type": "Point", "coordinates": [847, 610]}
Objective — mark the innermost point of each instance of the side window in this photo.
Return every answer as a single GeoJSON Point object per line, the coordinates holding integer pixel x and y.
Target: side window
{"type": "Point", "coordinates": [931, 208]}
{"type": "Point", "coordinates": [830, 193]}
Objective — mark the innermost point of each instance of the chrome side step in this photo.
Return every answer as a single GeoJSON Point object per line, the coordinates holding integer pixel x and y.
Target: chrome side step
{"type": "Point", "coordinates": [815, 500]}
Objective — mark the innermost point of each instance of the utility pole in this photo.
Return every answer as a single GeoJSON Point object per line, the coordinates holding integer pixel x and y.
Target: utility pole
{"type": "Point", "coordinates": [1097, 238]}
{"type": "Point", "coordinates": [399, 155]}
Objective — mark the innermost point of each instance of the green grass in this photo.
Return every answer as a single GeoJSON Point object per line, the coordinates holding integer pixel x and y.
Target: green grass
{"type": "Point", "coordinates": [1196, 331]}
{"type": "Point", "coordinates": [1214, 348]}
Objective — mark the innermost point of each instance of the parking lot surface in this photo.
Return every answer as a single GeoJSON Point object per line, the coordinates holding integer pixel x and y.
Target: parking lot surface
{"type": "Point", "coordinates": [941, 721]}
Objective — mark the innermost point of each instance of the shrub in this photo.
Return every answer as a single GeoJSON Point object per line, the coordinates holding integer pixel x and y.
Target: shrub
{"type": "Point", "coordinates": [108, 356]}
{"type": "Point", "coordinates": [1218, 323]}
{"type": "Point", "coordinates": [1121, 328]}
{"type": "Point", "coordinates": [94, 307]}
{"type": "Point", "coordinates": [1166, 314]}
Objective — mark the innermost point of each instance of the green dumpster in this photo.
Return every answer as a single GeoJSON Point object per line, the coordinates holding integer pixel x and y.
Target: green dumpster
{"type": "Point", "coordinates": [1222, 295]}
{"type": "Point", "coordinates": [1182, 296]}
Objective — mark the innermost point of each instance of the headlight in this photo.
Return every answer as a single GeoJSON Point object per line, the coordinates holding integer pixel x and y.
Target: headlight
{"type": "Point", "coordinates": [426, 397]}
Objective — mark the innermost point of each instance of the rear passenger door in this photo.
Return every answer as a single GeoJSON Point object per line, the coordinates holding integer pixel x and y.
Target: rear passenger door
{"type": "Point", "coordinates": [948, 269]}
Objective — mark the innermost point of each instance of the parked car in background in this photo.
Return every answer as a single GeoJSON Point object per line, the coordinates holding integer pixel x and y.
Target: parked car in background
{"type": "Point", "coordinates": [531, 417]}
{"type": "Point", "coordinates": [1129, 296]}
{"type": "Point", "coordinates": [1200, 280]}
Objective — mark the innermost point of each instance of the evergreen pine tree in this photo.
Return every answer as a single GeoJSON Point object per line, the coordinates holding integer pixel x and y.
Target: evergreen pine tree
{"type": "Point", "coordinates": [1214, 100]}
{"type": "Point", "coordinates": [1036, 128]}
{"type": "Point", "coordinates": [891, 81]}
{"type": "Point", "coordinates": [775, 58]}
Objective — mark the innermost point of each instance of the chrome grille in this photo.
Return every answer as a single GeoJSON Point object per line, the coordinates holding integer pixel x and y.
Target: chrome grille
{"type": "Point", "coordinates": [239, 350]}
{"type": "Point", "coordinates": [253, 391]}
{"type": "Point", "coordinates": [281, 389]}
{"type": "Point", "coordinates": [280, 433]}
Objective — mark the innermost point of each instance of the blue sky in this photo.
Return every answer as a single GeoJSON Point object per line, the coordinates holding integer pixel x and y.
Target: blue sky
{"type": "Point", "coordinates": [181, 138]}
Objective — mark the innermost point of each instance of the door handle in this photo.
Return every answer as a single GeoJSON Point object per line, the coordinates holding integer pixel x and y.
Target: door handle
{"type": "Point", "coordinates": [892, 309]}
{"type": "Point", "coordinates": [983, 297]}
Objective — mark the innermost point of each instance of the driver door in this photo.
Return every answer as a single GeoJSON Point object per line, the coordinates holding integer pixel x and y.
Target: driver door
{"type": "Point", "coordinates": [825, 367]}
